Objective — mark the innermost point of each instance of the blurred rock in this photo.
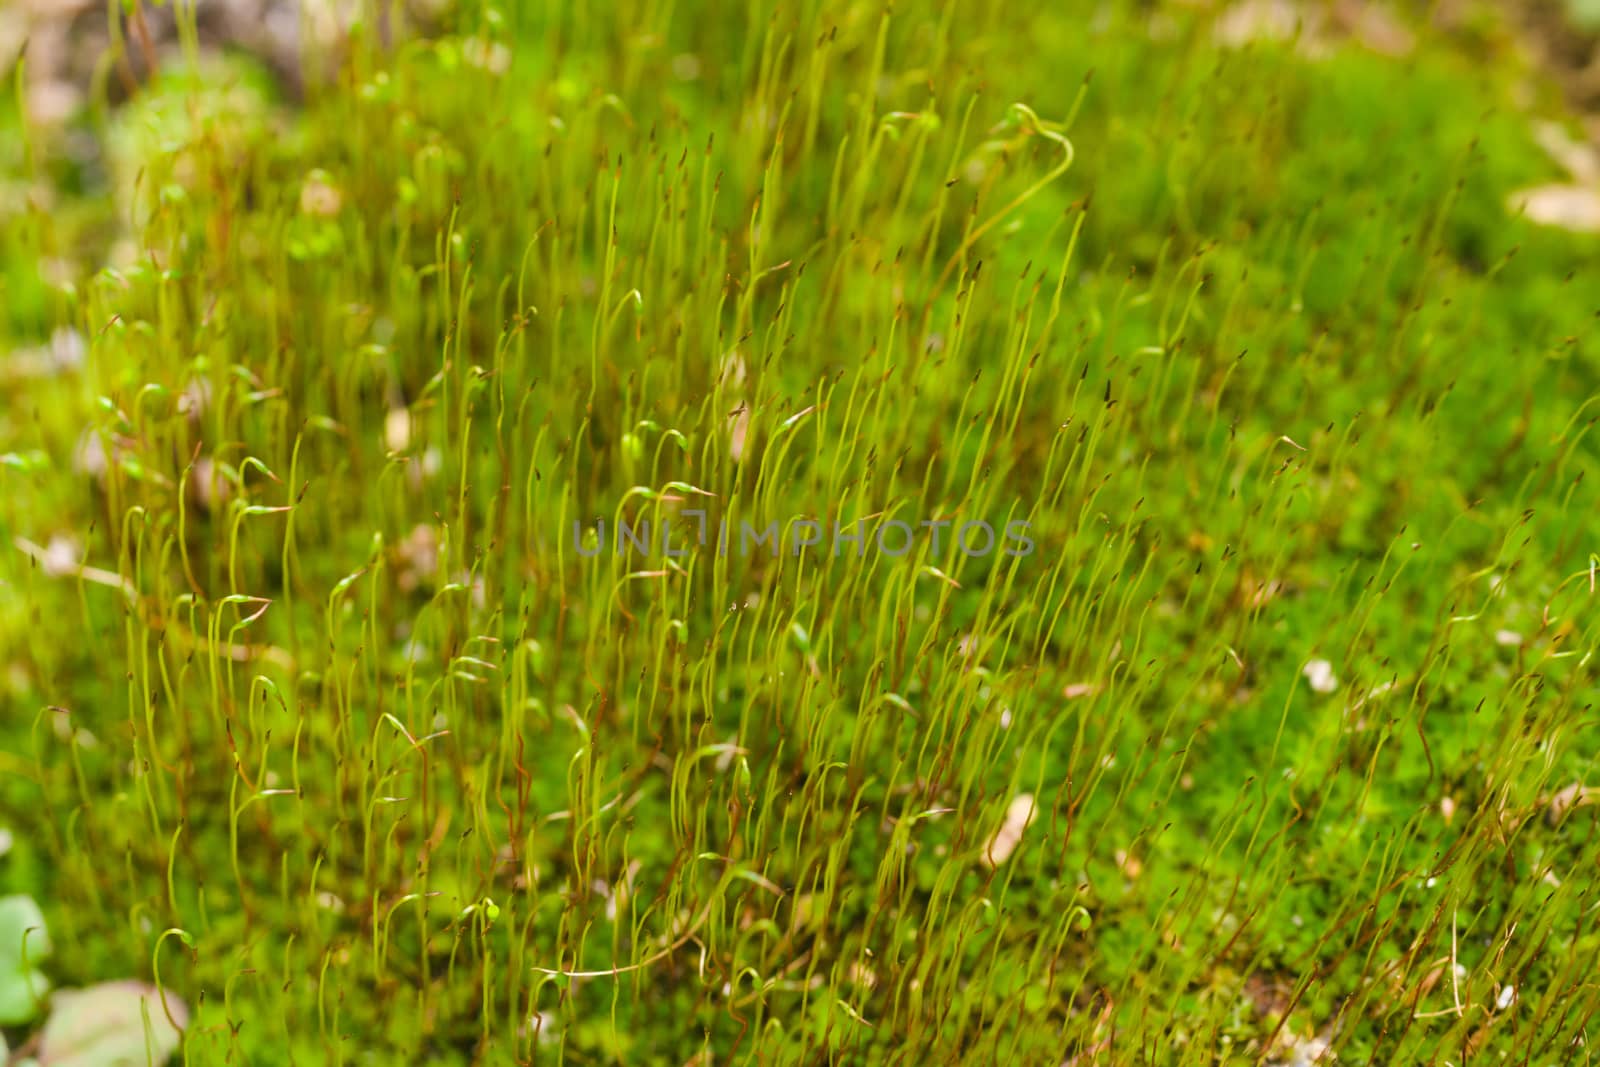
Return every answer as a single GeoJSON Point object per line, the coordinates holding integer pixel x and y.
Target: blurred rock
{"type": "Point", "coordinates": [73, 47]}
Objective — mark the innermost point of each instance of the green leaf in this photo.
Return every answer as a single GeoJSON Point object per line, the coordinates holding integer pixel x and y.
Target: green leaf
{"type": "Point", "coordinates": [115, 1024]}
{"type": "Point", "coordinates": [24, 941]}
{"type": "Point", "coordinates": [20, 917]}
{"type": "Point", "coordinates": [21, 993]}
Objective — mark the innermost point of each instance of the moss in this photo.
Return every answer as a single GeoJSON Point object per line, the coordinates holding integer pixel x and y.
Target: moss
{"type": "Point", "coordinates": [1269, 371]}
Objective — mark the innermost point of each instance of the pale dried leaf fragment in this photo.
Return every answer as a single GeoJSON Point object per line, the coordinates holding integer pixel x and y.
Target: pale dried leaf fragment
{"type": "Point", "coordinates": [1006, 839]}
{"type": "Point", "coordinates": [486, 55]}
{"type": "Point", "coordinates": [418, 555]}
{"type": "Point", "coordinates": [195, 398]}
{"type": "Point", "coordinates": [1261, 20]}
{"type": "Point", "coordinates": [1578, 158]}
{"type": "Point", "coordinates": [1376, 27]}
{"type": "Point", "coordinates": [206, 484]}
{"type": "Point", "coordinates": [55, 563]}
{"type": "Point", "coordinates": [397, 429]}
{"type": "Point", "coordinates": [733, 371]}
{"type": "Point", "coordinates": [1128, 864]}
{"type": "Point", "coordinates": [1575, 208]}
{"type": "Point", "coordinates": [1576, 795]}
{"type": "Point", "coordinates": [739, 434]}
{"type": "Point", "coordinates": [13, 35]}
{"type": "Point", "coordinates": [862, 976]}
{"type": "Point", "coordinates": [52, 103]}
{"type": "Point", "coordinates": [63, 354]}
{"type": "Point", "coordinates": [732, 375]}
{"type": "Point", "coordinates": [323, 23]}
{"type": "Point", "coordinates": [1261, 594]}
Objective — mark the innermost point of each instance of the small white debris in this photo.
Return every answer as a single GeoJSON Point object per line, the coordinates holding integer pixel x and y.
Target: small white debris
{"type": "Point", "coordinates": [1319, 672]}
{"type": "Point", "coordinates": [429, 464]}
{"type": "Point", "coordinates": [418, 557]}
{"type": "Point", "coordinates": [1018, 815]}
{"type": "Point", "coordinates": [60, 557]}
{"type": "Point", "coordinates": [862, 976]}
{"type": "Point", "coordinates": [397, 429]}
{"type": "Point", "coordinates": [1377, 692]}
{"type": "Point", "coordinates": [89, 454]}
{"type": "Point", "coordinates": [602, 888]}
{"type": "Point", "coordinates": [195, 398]}
{"type": "Point", "coordinates": [545, 1028]}
{"type": "Point", "coordinates": [486, 55]}
{"type": "Point", "coordinates": [1301, 1052]}
{"type": "Point", "coordinates": [319, 196]}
